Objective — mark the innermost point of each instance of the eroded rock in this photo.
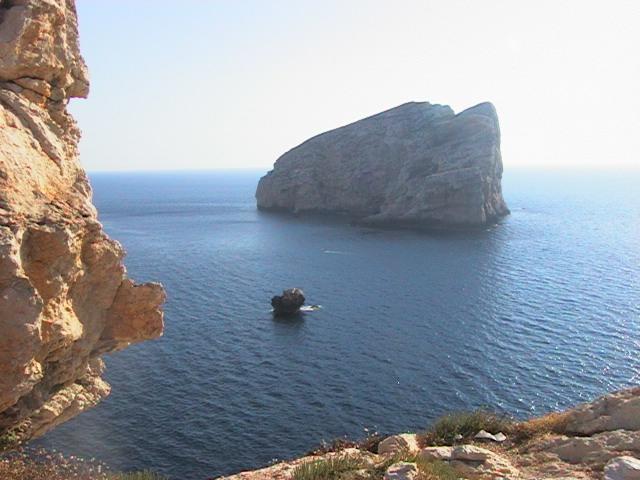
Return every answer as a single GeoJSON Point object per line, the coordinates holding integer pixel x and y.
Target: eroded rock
{"type": "Point", "coordinates": [404, 442]}
{"type": "Point", "coordinates": [436, 453]}
{"type": "Point", "coordinates": [615, 411]}
{"type": "Point", "coordinates": [402, 471]}
{"type": "Point", "coordinates": [622, 468]}
{"type": "Point", "coordinates": [596, 449]}
{"type": "Point", "coordinates": [64, 294]}
{"type": "Point", "coordinates": [288, 303]}
{"type": "Point", "coordinates": [417, 165]}
{"type": "Point", "coordinates": [481, 463]}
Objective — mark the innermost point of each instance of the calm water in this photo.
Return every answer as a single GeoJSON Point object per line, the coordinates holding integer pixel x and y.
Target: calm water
{"type": "Point", "coordinates": [538, 313]}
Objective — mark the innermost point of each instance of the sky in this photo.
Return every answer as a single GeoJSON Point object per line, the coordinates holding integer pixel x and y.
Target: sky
{"type": "Point", "coordinates": [208, 84]}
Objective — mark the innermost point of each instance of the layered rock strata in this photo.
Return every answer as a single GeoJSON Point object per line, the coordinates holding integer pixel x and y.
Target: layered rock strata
{"type": "Point", "coordinates": [65, 298]}
{"type": "Point", "coordinates": [417, 165]}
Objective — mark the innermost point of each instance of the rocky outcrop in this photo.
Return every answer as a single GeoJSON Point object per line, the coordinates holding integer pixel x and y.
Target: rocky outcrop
{"type": "Point", "coordinates": [402, 471]}
{"type": "Point", "coordinates": [404, 442]}
{"type": "Point", "coordinates": [619, 410]}
{"type": "Point", "coordinates": [542, 454]}
{"type": "Point", "coordinates": [288, 303]}
{"type": "Point", "coordinates": [622, 468]}
{"type": "Point", "coordinates": [64, 295]}
{"type": "Point", "coordinates": [418, 165]}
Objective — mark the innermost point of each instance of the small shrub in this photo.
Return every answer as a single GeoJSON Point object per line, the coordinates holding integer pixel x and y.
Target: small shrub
{"type": "Point", "coordinates": [466, 424]}
{"type": "Point", "coordinates": [327, 469]}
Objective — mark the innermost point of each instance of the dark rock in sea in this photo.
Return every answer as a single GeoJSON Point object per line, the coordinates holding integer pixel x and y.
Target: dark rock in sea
{"type": "Point", "coordinates": [288, 303]}
{"type": "Point", "coordinates": [417, 165]}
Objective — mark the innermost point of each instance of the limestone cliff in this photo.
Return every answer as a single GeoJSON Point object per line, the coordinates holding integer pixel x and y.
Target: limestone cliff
{"type": "Point", "coordinates": [64, 295]}
{"type": "Point", "coordinates": [414, 165]}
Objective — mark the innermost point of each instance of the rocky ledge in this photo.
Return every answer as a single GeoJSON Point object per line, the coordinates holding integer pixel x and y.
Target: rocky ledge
{"type": "Point", "coordinates": [597, 440]}
{"type": "Point", "coordinates": [65, 298]}
{"type": "Point", "coordinates": [417, 165]}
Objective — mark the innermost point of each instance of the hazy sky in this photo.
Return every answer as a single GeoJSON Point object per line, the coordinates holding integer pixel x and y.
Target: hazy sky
{"type": "Point", "coordinates": [234, 84]}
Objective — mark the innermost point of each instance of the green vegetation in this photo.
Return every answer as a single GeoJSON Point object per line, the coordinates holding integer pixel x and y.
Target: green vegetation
{"type": "Point", "coordinates": [436, 471]}
{"type": "Point", "coordinates": [466, 424]}
{"type": "Point", "coordinates": [334, 468]}
{"type": "Point", "coordinates": [348, 467]}
{"type": "Point", "coordinates": [9, 440]}
{"type": "Point", "coordinates": [428, 469]}
{"type": "Point", "coordinates": [146, 475]}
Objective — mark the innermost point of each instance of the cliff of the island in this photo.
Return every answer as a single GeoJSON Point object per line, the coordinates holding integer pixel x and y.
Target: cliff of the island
{"type": "Point", "coordinates": [414, 165]}
{"type": "Point", "coordinates": [596, 440]}
{"type": "Point", "coordinates": [65, 298]}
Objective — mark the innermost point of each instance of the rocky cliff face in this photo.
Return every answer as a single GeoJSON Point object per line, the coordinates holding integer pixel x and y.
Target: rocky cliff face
{"type": "Point", "coordinates": [64, 295]}
{"type": "Point", "coordinates": [417, 165]}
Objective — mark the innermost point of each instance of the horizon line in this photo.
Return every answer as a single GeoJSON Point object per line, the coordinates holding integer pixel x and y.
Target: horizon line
{"type": "Point", "coordinates": [620, 167]}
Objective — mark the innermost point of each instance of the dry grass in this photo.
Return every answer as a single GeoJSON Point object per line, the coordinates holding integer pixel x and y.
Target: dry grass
{"type": "Point", "coordinates": [555, 422]}
{"type": "Point", "coordinates": [427, 469]}
{"type": "Point", "coordinates": [436, 471]}
{"type": "Point", "coordinates": [354, 467]}
{"type": "Point", "coordinates": [327, 469]}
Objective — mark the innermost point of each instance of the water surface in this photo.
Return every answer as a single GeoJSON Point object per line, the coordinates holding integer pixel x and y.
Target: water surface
{"type": "Point", "coordinates": [536, 314]}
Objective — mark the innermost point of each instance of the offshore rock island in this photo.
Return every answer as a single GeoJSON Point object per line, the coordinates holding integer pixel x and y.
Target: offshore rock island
{"type": "Point", "coordinates": [416, 165]}
{"type": "Point", "coordinates": [65, 298]}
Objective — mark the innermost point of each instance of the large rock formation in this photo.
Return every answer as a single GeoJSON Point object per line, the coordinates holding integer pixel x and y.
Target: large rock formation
{"type": "Point", "coordinates": [416, 165]}
{"type": "Point", "coordinates": [64, 295]}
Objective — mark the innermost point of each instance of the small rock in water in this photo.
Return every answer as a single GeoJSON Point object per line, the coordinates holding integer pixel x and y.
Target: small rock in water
{"type": "Point", "coordinates": [288, 303]}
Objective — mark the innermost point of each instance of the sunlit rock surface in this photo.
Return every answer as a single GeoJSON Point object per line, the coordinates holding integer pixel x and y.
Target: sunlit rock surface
{"type": "Point", "coordinates": [414, 165]}
{"type": "Point", "coordinates": [64, 295]}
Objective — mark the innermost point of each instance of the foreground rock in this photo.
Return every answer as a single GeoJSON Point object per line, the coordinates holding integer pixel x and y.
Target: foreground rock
{"type": "Point", "coordinates": [64, 295]}
{"type": "Point", "coordinates": [402, 471]}
{"type": "Point", "coordinates": [405, 442]}
{"type": "Point", "coordinates": [288, 303]}
{"type": "Point", "coordinates": [622, 468]}
{"type": "Point", "coordinates": [414, 165]}
{"type": "Point", "coordinates": [620, 410]}
{"type": "Point", "coordinates": [609, 454]}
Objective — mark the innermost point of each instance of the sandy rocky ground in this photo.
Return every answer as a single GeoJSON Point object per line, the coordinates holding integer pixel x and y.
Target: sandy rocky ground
{"type": "Point", "coordinates": [601, 440]}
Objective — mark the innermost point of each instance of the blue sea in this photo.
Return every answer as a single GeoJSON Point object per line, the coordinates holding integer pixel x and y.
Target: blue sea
{"type": "Point", "coordinates": [535, 314]}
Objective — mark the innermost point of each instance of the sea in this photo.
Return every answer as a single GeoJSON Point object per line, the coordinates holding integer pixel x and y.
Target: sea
{"type": "Point", "coordinates": [535, 314]}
